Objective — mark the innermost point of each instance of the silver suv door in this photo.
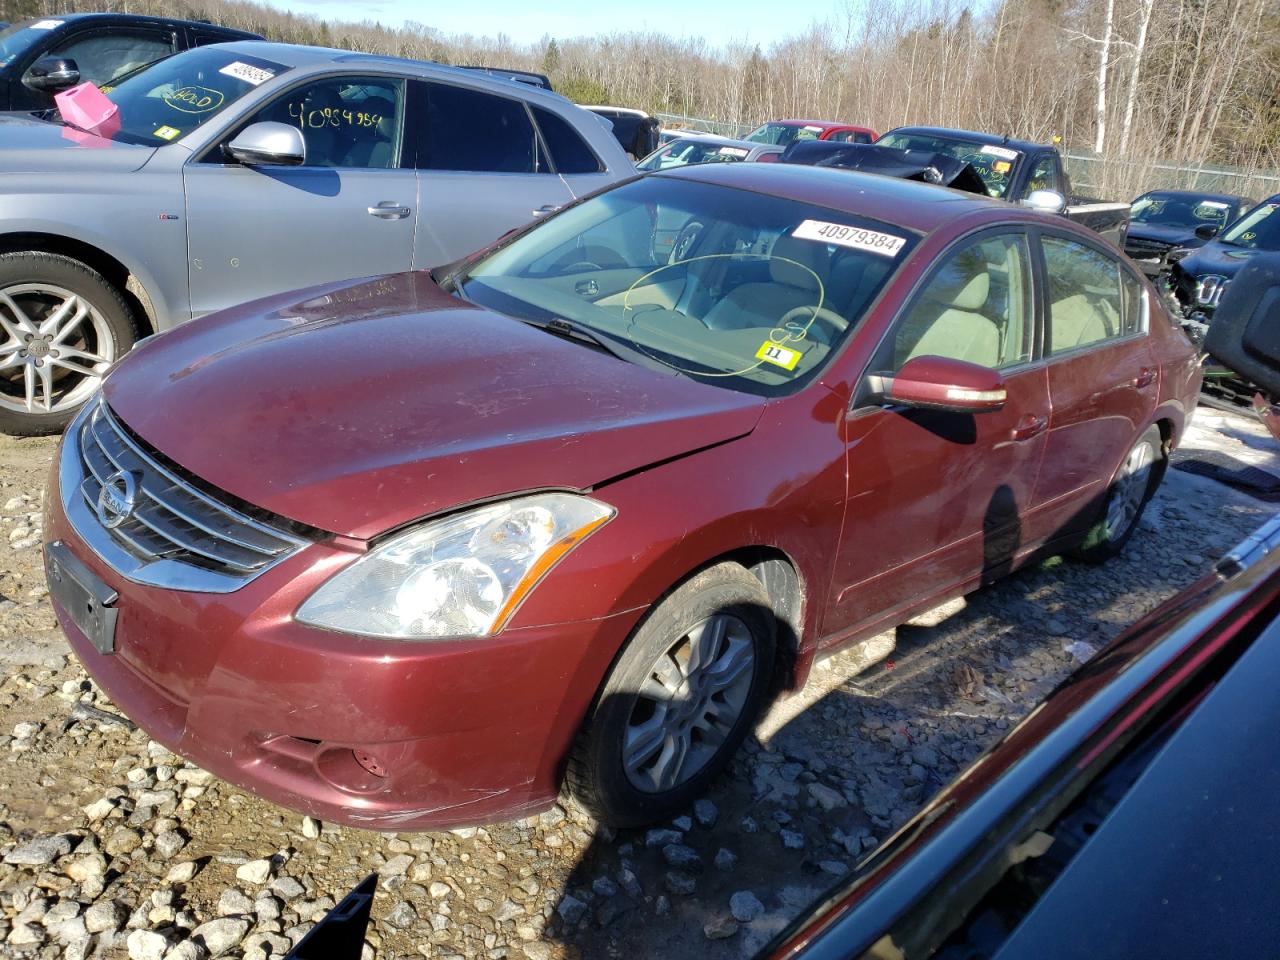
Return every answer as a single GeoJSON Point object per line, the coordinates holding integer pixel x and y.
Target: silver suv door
{"type": "Point", "coordinates": [482, 169]}
{"type": "Point", "coordinates": [349, 211]}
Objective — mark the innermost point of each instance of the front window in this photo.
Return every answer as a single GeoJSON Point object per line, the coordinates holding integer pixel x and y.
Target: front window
{"type": "Point", "coordinates": [167, 101]}
{"type": "Point", "coordinates": [994, 164]}
{"type": "Point", "coordinates": [728, 287]}
{"type": "Point", "coordinates": [1179, 211]}
{"type": "Point", "coordinates": [783, 134]}
{"type": "Point", "coordinates": [1259, 229]}
{"type": "Point", "coordinates": [679, 153]}
{"type": "Point", "coordinates": [17, 39]}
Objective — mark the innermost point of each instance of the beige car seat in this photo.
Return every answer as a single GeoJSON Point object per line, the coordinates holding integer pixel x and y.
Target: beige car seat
{"type": "Point", "coordinates": [765, 304]}
{"type": "Point", "coordinates": [947, 321]}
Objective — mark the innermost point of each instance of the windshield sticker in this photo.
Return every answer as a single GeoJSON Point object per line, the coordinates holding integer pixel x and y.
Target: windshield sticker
{"type": "Point", "coordinates": [166, 133]}
{"type": "Point", "coordinates": [242, 71]}
{"type": "Point", "coordinates": [1002, 152]}
{"type": "Point", "coordinates": [1215, 204]}
{"type": "Point", "coordinates": [1002, 166]}
{"type": "Point", "coordinates": [812, 129]}
{"type": "Point", "coordinates": [47, 24]}
{"type": "Point", "coordinates": [843, 235]}
{"type": "Point", "coordinates": [778, 355]}
{"type": "Point", "coordinates": [733, 151]}
{"type": "Point", "coordinates": [193, 99]}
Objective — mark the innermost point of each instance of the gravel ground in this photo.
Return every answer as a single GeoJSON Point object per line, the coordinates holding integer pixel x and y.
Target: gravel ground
{"type": "Point", "coordinates": [111, 846]}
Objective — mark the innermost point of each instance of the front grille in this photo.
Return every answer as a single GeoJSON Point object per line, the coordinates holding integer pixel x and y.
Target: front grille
{"type": "Point", "coordinates": [169, 518]}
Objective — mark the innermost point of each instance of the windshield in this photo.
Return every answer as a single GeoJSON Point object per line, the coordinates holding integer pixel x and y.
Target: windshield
{"type": "Point", "coordinates": [168, 100]}
{"type": "Point", "coordinates": [1259, 229]}
{"type": "Point", "coordinates": [783, 134]}
{"type": "Point", "coordinates": [18, 38]}
{"type": "Point", "coordinates": [994, 164]}
{"type": "Point", "coordinates": [730, 287]}
{"type": "Point", "coordinates": [1176, 210]}
{"type": "Point", "coordinates": [678, 153]}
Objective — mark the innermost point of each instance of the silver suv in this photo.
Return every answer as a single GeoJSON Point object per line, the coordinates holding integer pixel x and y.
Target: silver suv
{"type": "Point", "coordinates": [239, 170]}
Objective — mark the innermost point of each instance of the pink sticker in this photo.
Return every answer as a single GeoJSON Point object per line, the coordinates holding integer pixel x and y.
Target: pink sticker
{"type": "Point", "coordinates": [88, 108]}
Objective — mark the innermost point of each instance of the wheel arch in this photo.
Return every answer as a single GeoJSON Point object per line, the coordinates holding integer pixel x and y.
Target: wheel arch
{"type": "Point", "coordinates": [117, 273]}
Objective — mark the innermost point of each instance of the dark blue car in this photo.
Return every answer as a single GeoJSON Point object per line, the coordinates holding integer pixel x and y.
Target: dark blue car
{"type": "Point", "coordinates": [1198, 277]}
{"type": "Point", "coordinates": [1165, 220]}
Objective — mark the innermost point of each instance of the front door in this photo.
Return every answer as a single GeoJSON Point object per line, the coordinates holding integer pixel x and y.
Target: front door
{"type": "Point", "coordinates": [936, 500]}
{"type": "Point", "coordinates": [1102, 377]}
{"type": "Point", "coordinates": [350, 211]}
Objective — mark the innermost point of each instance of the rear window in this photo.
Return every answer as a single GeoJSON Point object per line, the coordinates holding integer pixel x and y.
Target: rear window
{"type": "Point", "coordinates": [569, 152]}
{"type": "Point", "coordinates": [479, 132]}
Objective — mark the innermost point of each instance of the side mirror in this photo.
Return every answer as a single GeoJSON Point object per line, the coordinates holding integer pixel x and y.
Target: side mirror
{"type": "Point", "coordinates": [1046, 201]}
{"type": "Point", "coordinates": [268, 144]}
{"type": "Point", "coordinates": [51, 74]}
{"type": "Point", "coordinates": [1207, 231]}
{"type": "Point", "coordinates": [939, 383]}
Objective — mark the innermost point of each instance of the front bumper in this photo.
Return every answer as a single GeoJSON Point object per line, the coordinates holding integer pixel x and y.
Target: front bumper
{"type": "Point", "coordinates": [370, 733]}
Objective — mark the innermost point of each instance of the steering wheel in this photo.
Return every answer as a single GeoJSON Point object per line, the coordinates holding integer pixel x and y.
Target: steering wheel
{"type": "Point", "coordinates": [685, 239]}
{"type": "Point", "coordinates": [804, 314]}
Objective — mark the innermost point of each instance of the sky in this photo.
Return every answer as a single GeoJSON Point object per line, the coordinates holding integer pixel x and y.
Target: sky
{"type": "Point", "coordinates": [719, 21]}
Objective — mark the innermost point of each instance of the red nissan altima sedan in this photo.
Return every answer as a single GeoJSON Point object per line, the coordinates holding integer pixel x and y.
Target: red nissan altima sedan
{"type": "Point", "coordinates": [415, 551]}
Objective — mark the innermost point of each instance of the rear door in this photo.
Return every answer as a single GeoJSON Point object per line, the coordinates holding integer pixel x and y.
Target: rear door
{"type": "Point", "coordinates": [1103, 378]}
{"type": "Point", "coordinates": [349, 211]}
{"type": "Point", "coordinates": [482, 170]}
{"type": "Point", "coordinates": [937, 500]}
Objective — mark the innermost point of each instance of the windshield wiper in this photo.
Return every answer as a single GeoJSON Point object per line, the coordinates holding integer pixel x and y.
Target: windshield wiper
{"type": "Point", "coordinates": [560, 327]}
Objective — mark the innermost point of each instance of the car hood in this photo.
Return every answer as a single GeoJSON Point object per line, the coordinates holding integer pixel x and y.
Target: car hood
{"type": "Point", "coordinates": [1217, 259]}
{"type": "Point", "coordinates": [28, 145]}
{"type": "Point", "coordinates": [358, 407]}
{"type": "Point", "coordinates": [1172, 234]}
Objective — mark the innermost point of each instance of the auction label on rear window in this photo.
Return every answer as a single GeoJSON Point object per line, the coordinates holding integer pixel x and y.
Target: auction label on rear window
{"type": "Point", "coordinates": [46, 24]}
{"type": "Point", "coordinates": [242, 71]}
{"type": "Point", "coordinates": [844, 235]}
{"type": "Point", "coordinates": [733, 152]}
{"type": "Point", "coordinates": [1001, 152]}
{"type": "Point", "coordinates": [778, 355]}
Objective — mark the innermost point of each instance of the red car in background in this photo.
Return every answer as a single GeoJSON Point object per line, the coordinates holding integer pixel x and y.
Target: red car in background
{"type": "Point", "coordinates": [409, 552]}
{"type": "Point", "coordinates": [783, 133]}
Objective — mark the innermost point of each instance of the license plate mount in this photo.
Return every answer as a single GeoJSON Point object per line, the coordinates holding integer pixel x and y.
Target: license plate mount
{"type": "Point", "coordinates": [87, 600]}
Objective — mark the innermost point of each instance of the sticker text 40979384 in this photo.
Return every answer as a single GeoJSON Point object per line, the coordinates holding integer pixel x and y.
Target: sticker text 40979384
{"type": "Point", "coordinates": [843, 235]}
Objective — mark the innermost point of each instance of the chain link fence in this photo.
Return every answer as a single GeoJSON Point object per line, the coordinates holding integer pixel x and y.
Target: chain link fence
{"type": "Point", "coordinates": [723, 128]}
{"type": "Point", "coordinates": [1124, 178]}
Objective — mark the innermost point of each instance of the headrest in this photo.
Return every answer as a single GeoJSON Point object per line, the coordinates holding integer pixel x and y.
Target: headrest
{"type": "Point", "coordinates": [808, 253]}
{"type": "Point", "coordinates": [963, 284]}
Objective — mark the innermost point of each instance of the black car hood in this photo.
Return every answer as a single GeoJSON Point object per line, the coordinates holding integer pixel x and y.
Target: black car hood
{"type": "Point", "coordinates": [922, 165]}
{"type": "Point", "coordinates": [1217, 259]}
{"type": "Point", "coordinates": [1173, 234]}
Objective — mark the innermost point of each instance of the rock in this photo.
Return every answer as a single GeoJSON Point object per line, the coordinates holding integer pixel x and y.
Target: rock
{"type": "Point", "coordinates": [169, 843]}
{"type": "Point", "coordinates": [538, 950]}
{"type": "Point", "coordinates": [792, 839]}
{"type": "Point", "coordinates": [402, 915]}
{"type": "Point", "coordinates": [682, 857]}
{"type": "Point", "coordinates": [145, 945]}
{"type": "Point", "coordinates": [310, 828]}
{"type": "Point", "coordinates": [679, 883]}
{"type": "Point", "coordinates": [1055, 627]}
{"type": "Point", "coordinates": [39, 852]}
{"type": "Point", "coordinates": [826, 797]}
{"type": "Point", "coordinates": [439, 890]}
{"type": "Point", "coordinates": [234, 903]}
{"type": "Point", "coordinates": [571, 909]}
{"type": "Point", "coordinates": [726, 860]}
{"type": "Point", "coordinates": [706, 813]}
{"type": "Point", "coordinates": [683, 824]}
{"type": "Point", "coordinates": [662, 906]}
{"type": "Point", "coordinates": [256, 872]}
{"type": "Point", "coordinates": [99, 809]}
{"type": "Point", "coordinates": [78, 949]}
{"type": "Point", "coordinates": [925, 756]}
{"type": "Point", "coordinates": [181, 872]}
{"type": "Point", "coordinates": [720, 928]}
{"type": "Point", "coordinates": [287, 888]}
{"type": "Point", "coordinates": [745, 906]}
{"type": "Point", "coordinates": [748, 825]}
{"type": "Point", "coordinates": [82, 868]}
{"type": "Point", "coordinates": [25, 935]}
{"type": "Point", "coordinates": [219, 936]}
{"type": "Point", "coordinates": [105, 915]}
{"type": "Point", "coordinates": [661, 837]}
{"type": "Point", "coordinates": [396, 866]}
{"type": "Point", "coordinates": [508, 910]}
{"type": "Point", "coordinates": [186, 950]}
{"type": "Point", "coordinates": [604, 887]}
{"type": "Point", "coordinates": [123, 841]}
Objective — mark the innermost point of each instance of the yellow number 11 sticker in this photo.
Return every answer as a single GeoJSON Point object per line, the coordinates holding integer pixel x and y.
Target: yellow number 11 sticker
{"type": "Point", "coordinates": [778, 355]}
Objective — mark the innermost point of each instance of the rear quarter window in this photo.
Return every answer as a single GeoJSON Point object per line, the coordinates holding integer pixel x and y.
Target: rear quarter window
{"type": "Point", "coordinates": [469, 130]}
{"type": "Point", "coordinates": [569, 152]}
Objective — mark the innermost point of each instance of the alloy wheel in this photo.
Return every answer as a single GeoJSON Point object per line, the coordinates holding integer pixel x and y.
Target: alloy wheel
{"type": "Point", "coordinates": [56, 347]}
{"type": "Point", "coordinates": [685, 709]}
{"type": "Point", "coordinates": [1127, 491]}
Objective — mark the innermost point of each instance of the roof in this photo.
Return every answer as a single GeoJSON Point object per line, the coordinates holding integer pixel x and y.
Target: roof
{"type": "Point", "coordinates": [630, 111]}
{"type": "Point", "coordinates": [991, 139]}
{"type": "Point", "coordinates": [824, 124]}
{"type": "Point", "coordinates": [917, 206]}
{"type": "Point", "coordinates": [1196, 195]}
{"type": "Point", "coordinates": [144, 18]}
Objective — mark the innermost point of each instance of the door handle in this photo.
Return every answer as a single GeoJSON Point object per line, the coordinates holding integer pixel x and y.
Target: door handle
{"type": "Point", "coordinates": [546, 208]}
{"type": "Point", "coordinates": [1145, 378]}
{"type": "Point", "coordinates": [1030, 426]}
{"type": "Point", "coordinates": [389, 210]}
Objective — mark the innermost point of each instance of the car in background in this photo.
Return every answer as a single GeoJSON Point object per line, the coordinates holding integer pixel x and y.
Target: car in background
{"type": "Point", "coordinates": [1082, 832]}
{"type": "Point", "coordinates": [1018, 171]}
{"type": "Point", "coordinates": [634, 129]}
{"type": "Point", "coordinates": [1198, 276]}
{"type": "Point", "coordinates": [233, 171]}
{"type": "Point", "coordinates": [782, 133]}
{"type": "Point", "coordinates": [707, 149]}
{"type": "Point", "coordinates": [1165, 220]}
{"type": "Point", "coordinates": [333, 545]}
{"type": "Point", "coordinates": [41, 56]}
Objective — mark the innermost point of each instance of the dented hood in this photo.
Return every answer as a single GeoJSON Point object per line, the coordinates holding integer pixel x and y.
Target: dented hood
{"type": "Point", "coordinates": [359, 407]}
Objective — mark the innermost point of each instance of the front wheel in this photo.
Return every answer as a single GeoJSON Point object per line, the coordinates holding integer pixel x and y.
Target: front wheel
{"type": "Point", "coordinates": [679, 701]}
{"type": "Point", "coordinates": [62, 326]}
{"type": "Point", "coordinates": [1133, 485]}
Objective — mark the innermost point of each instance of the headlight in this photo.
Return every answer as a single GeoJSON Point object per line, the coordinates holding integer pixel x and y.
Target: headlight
{"type": "Point", "coordinates": [461, 576]}
{"type": "Point", "coordinates": [1177, 253]}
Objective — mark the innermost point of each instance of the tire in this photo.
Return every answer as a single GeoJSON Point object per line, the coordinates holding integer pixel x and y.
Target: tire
{"type": "Point", "coordinates": [1127, 496]}
{"type": "Point", "coordinates": [724, 610]}
{"type": "Point", "coordinates": [98, 327]}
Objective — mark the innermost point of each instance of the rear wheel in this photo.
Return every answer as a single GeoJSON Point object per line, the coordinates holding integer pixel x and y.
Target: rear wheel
{"type": "Point", "coordinates": [62, 325]}
{"type": "Point", "coordinates": [1133, 485]}
{"type": "Point", "coordinates": [679, 701]}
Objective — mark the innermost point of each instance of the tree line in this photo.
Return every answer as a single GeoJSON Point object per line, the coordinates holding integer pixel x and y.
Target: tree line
{"type": "Point", "coordinates": [1190, 82]}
